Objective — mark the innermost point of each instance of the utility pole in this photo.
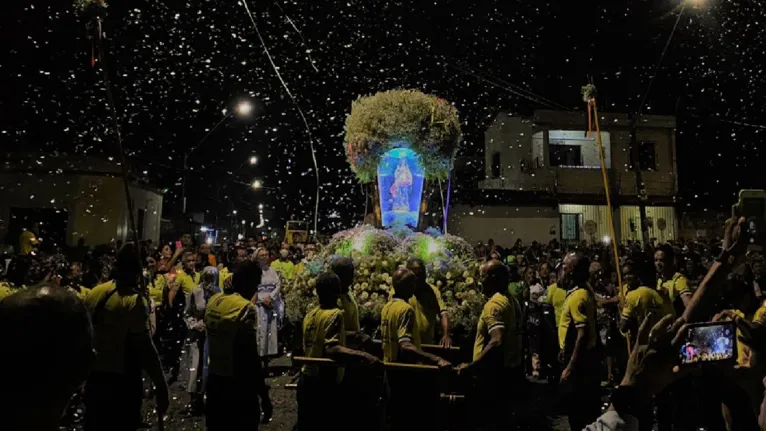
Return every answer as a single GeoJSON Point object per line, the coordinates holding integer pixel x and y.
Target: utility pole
{"type": "Point", "coordinates": [640, 190]}
{"type": "Point", "coordinates": [183, 183]}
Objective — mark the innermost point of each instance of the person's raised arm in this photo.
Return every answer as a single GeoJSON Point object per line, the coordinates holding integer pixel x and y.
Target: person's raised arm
{"type": "Point", "coordinates": [716, 281]}
{"type": "Point", "coordinates": [176, 255]}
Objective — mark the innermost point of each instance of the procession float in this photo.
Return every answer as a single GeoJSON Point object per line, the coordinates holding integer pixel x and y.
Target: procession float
{"type": "Point", "coordinates": [400, 144]}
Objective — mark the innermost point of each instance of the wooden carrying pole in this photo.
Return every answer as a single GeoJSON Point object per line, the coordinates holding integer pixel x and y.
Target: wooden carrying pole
{"type": "Point", "coordinates": [589, 96]}
{"type": "Point", "coordinates": [305, 360]}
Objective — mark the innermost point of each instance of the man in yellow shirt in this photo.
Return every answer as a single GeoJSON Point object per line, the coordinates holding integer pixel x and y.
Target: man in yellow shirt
{"type": "Point", "coordinates": [672, 284]}
{"type": "Point", "coordinates": [73, 281]}
{"type": "Point", "coordinates": [284, 266]}
{"type": "Point", "coordinates": [498, 350]}
{"type": "Point", "coordinates": [428, 305]}
{"type": "Point", "coordinates": [361, 393]}
{"type": "Point", "coordinates": [401, 343]}
{"type": "Point", "coordinates": [234, 366]}
{"type": "Point", "coordinates": [640, 300]}
{"type": "Point", "coordinates": [399, 329]}
{"type": "Point", "coordinates": [121, 336]}
{"type": "Point", "coordinates": [578, 341]}
{"type": "Point", "coordinates": [324, 336]}
{"type": "Point", "coordinates": [344, 269]}
{"type": "Point", "coordinates": [27, 242]}
{"type": "Point", "coordinates": [188, 277]}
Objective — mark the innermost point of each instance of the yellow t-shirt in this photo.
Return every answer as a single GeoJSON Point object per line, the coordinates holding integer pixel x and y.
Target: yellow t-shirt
{"type": "Point", "coordinates": [743, 352]}
{"type": "Point", "coordinates": [350, 312]}
{"type": "Point", "coordinates": [501, 312]}
{"type": "Point", "coordinates": [226, 317]}
{"type": "Point", "coordinates": [27, 242]}
{"type": "Point", "coordinates": [5, 290]}
{"type": "Point", "coordinates": [223, 275]}
{"type": "Point", "coordinates": [642, 301]}
{"type": "Point", "coordinates": [579, 311]}
{"type": "Point", "coordinates": [124, 314]}
{"type": "Point", "coordinates": [82, 294]}
{"type": "Point", "coordinates": [398, 323]}
{"type": "Point", "coordinates": [675, 287]}
{"type": "Point", "coordinates": [187, 282]}
{"type": "Point", "coordinates": [322, 328]}
{"type": "Point", "coordinates": [428, 306]}
{"type": "Point", "coordinates": [285, 268]}
{"type": "Point", "coordinates": [759, 313]}
{"type": "Point", "coordinates": [156, 288]}
{"type": "Point", "coordinates": [556, 297]}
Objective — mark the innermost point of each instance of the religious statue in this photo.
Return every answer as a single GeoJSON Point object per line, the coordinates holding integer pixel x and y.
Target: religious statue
{"type": "Point", "coordinates": [400, 190]}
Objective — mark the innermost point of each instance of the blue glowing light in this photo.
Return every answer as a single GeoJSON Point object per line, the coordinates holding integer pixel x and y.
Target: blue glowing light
{"type": "Point", "coordinates": [400, 184]}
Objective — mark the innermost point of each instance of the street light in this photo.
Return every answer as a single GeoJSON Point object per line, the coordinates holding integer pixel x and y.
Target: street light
{"type": "Point", "coordinates": [253, 160]}
{"type": "Point", "coordinates": [242, 109]}
{"type": "Point", "coordinates": [257, 184]}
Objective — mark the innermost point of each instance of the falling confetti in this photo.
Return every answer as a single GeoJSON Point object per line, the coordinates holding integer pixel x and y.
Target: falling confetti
{"type": "Point", "coordinates": [176, 66]}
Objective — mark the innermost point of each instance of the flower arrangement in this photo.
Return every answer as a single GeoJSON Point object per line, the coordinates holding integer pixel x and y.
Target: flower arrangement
{"type": "Point", "coordinates": [450, 264]}
{"type": "Point", "coordinates": [401, 118]}
{"type": "Point", "coordinates": [90, 6]}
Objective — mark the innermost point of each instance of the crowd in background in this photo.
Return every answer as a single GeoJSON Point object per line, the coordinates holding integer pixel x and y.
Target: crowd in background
{"type": "Point", "coordinates": [555, 296]}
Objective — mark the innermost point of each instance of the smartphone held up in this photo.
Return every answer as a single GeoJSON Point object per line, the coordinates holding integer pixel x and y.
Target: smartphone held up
{"type": "Point", "coordinates": [709, 342]}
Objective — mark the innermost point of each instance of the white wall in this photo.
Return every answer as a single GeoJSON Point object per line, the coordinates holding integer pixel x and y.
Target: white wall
{"type": "Point", "coordinates": [95, 203]}
{"type": "Point", "coordinates": [504, 224]}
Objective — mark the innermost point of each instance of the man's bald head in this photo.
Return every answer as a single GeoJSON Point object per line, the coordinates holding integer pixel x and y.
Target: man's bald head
{"type": "Point", "coordinates": [418, 267]}
{"type": "Point", "coordinates": [49, 332]}
{"type": "Point", "coordinates": [495, 277]}
{"type": "Point", "coordinates": [404, 282]}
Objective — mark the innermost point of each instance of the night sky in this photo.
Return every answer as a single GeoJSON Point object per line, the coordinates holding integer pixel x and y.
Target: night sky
{"type": "Point", "coordinates": [176, 65]}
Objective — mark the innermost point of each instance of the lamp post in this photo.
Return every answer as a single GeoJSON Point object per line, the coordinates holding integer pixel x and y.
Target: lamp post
{"type": "Point", "coordinates": [243, 109]}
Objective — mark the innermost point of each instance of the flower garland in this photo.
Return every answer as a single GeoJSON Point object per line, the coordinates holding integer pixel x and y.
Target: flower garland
{"type": "Point", "coordinates": [401, 118]}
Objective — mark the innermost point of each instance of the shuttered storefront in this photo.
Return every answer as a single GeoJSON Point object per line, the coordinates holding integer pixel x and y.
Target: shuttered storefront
{"type": "Point", "coordinates": [662, 222]}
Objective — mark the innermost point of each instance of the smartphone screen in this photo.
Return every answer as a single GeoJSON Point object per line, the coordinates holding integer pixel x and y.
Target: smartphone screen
{"type": "Point", "coordinates": [752, 207]}
{"type": "Point", "coordinates": [179, 245]}
{"type": "Point", "coordinates": [709, 342]}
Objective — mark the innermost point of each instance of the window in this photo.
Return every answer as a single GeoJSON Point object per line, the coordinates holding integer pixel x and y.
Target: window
{"type": "Point", "coordinates": [570, 228]}
{"type": "Point", "coordinates": [565, 155]}
{"type": "Point", "coordinates": [647, 156]}
{"type": "Point", "coordinates": [495, 165]}
{"type": "Point", "coordinates": [583, 153]}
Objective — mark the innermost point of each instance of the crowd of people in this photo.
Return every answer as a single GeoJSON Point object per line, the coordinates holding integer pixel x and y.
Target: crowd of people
{"type": "Point", "coordinates": [574, 316]}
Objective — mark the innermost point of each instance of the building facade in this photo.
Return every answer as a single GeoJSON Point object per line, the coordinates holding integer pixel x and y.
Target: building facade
{"type": "Point", "coordinates": [543, 180]}
{"type": "Point", "coordinates": [72, 198]}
